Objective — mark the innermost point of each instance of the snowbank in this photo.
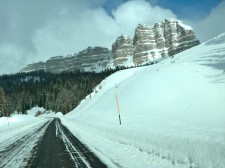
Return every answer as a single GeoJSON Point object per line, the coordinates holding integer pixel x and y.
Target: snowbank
{"type": "Point", "coordinates": [34, 111]}
{"type": "Point", "coordinates": [20, 120]}
{"type": "Point", "coordinates": [41, 112]}
{"type": "Point", "coordinates": [15, 121]}
{"type": "Point", "coordinates": [172, 113]}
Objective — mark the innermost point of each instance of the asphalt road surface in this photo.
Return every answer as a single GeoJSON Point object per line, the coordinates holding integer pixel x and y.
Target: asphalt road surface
{"type": "Point", "coordinates": [13, 150]}
{"type": "Point", "coordinates": [59, 148]}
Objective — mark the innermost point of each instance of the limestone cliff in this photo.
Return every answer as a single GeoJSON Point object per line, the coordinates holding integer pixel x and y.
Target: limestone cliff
{"type": "Point", "coordinates": [149, 44]}
{"type": "Point", "coordinates": [90, 59]}
{"type": "Point", "coordinates": [122, 49]}
{"type": "Point", "coordinates": [166, 38]}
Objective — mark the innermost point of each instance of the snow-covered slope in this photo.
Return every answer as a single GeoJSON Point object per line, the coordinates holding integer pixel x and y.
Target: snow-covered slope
{"type": "Point", "coordinates": [173, 112]}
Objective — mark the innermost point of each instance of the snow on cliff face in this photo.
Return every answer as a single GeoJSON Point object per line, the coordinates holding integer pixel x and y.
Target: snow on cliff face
{"type": "Point", "coordinates": [161, 39]}
{"type": "Point", "coordinates": [149, 44]}
{"type": "Point", "coordinates": [122, 50]}
{"type": "Point", "coordinates": [154, 42]}
{"type": "Point", "coordinates": [90, 59]}
{"type": "Point", "coordinates": [172, 112]}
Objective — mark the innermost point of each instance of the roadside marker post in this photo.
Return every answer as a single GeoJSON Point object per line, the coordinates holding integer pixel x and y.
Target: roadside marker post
{"type": "Point", "coordinates": [118, 107]}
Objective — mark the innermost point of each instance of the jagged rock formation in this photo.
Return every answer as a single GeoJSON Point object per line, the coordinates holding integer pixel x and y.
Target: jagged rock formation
{"type": "Point", "coordinates": [166, 38]}
{"type": "Point", "coordinates": [149, 43]}
{"type": "Point", "coordinates": [122, 49]}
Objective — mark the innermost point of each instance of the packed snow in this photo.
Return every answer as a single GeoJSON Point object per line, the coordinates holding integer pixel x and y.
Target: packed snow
{"type": "Point", "coordinates": [172, 113]}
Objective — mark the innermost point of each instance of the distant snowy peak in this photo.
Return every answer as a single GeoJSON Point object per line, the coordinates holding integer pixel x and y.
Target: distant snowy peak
{"type": "Point", "coordinates": [149, 44]}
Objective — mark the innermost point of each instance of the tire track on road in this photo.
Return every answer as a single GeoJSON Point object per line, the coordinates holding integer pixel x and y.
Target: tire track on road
{"type": "Point", "coordinates": [60, 148]}
{"type": "Point", "coordinates": [14, 151]}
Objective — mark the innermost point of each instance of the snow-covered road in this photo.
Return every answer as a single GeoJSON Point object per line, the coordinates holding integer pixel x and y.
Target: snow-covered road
{"type": "Point", "coordinates": [28, 141]}
{"type": "Point", "coordinates": [60, 148]}
{"type": "Point", "coordinates": [16, 144]}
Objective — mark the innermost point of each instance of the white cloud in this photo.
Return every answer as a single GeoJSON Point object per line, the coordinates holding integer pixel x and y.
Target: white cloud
{"type": "Point", "coordinates": [34, 31]}
{"type": "Point", "coordinates": [37, 30]}
{"type": "Point", "coordinates": [66, 35]}
{"type": "Point", "coordinates": [94, 27]}
{"type": "Point", "coordinates": [12, 58]}
{"type": "Point", "coordinates": [212, 25]}
{"type": "Point", "coordinates": [129, 14]}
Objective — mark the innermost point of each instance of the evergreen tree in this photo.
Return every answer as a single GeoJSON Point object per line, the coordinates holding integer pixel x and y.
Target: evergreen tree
{"type": "Point", "coordinates": [2, 102]}
{"type": "Point", "coordinates": [58, 92]}
{"type": "Point", "coordinates": [23, 105]}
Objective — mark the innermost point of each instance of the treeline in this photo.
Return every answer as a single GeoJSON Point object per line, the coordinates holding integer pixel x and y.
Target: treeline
{"type": "Point", "coordinates": [58, 92]}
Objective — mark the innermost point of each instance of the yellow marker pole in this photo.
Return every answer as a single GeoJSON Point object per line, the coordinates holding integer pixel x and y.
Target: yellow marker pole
{"type": "Point", "coordinates": [118, 107]}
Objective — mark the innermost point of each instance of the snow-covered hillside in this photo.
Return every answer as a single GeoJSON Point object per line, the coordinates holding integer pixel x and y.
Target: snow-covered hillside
{"type": "Point", "coordinates": [173, 112]}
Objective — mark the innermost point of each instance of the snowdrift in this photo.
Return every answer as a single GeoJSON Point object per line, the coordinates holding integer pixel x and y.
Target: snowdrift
{"type": "Point", "coordinates": [173, 112]}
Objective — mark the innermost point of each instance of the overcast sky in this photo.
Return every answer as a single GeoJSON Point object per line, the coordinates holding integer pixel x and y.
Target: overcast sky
{"type": "Point", "coordinates": [35, 30]}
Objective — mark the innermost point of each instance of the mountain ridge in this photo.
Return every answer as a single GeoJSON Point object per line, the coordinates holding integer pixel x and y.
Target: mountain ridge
{"type": "Point", "coordinates": [149, 44]}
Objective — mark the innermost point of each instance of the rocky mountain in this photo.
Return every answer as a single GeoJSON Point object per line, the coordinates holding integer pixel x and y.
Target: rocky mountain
{"type": "Point", "coordinates": [167, 38]}
{"type": "Point", "coordinates": [122, 49]}
{"type": "Point", "coordinates": [149, 44]}
{"type": "Point", "coordinates": [90, 59]}
{"type": "Point", "coordinates": [34, 67]}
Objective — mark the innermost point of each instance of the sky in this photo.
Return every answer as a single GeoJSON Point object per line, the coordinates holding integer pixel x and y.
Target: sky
{"type": "Point", "coordinates": [33, 31]}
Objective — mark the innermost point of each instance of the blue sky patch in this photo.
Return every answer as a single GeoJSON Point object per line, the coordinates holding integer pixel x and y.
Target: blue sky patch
{"type": "Point", "coordinates": [183, 9]}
